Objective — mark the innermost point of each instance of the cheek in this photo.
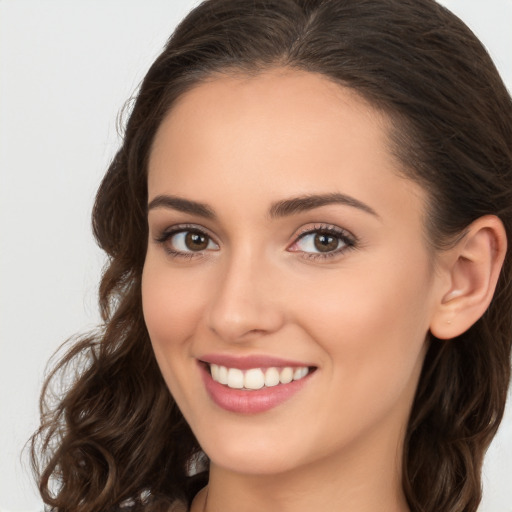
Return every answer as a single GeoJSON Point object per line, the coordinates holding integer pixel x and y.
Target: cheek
{"type": "Point", "coordinates": [372, 326]}
{"type": "Point", "coordinates": [172, 304]}
{"type": "Point", "coordinates": [172, 308]}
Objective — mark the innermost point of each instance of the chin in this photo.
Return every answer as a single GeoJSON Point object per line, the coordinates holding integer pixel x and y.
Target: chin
{"type": "Point", "coordinates": [248, 462]}
{"type": "Point", "coordinates": [251, 455]}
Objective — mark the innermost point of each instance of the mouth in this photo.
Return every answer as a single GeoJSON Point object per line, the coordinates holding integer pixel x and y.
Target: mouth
{"type": "Point", "coordinates": [253, 384]}
{"type": "Point", "coordinates": [253, 379]}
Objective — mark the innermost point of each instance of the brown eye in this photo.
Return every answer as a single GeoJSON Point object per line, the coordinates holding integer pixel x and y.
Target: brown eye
{"type": "Point", "coordinates": [196, 241]}
{"type": "Point", "coordinates": [325, 242]}
{"type": "Point", "coordinates": [187, 241]}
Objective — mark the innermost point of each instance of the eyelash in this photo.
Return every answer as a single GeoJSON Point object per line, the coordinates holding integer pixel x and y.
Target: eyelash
{"type": "Point", "coordinates": [181, 228]}
{"type": "Point", "coordinates": [349, 241]}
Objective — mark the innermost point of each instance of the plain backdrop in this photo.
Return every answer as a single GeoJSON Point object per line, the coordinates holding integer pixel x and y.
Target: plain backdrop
{"type": "Point", "coordinates": [66, 69]}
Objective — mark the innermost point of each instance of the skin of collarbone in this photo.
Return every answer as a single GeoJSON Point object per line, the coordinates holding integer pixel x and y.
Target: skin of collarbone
{"type": "Point", "coordinates": [280, 229]}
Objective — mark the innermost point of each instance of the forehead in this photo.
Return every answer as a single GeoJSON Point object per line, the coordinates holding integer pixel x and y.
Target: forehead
{"type": "Point", "coordinates": [277, 134]}
{"type": "Point", "coordinates": [278, 97]}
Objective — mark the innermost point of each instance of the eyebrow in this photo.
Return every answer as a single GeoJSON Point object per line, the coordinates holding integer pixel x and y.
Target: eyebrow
{"type": "Point", "coordinates": [182, 205]}
{"type": "Point", "coordinates": [309, 202]}
{"type": "Point", "coordinates": [279, 209]}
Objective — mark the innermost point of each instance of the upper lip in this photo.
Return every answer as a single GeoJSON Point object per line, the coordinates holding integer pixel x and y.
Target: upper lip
{"type": "Point", "coordinates": [252, 361]}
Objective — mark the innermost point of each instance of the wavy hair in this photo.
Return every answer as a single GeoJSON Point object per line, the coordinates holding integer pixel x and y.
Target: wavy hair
{"type": "Point", "coordinates": [114, 434]}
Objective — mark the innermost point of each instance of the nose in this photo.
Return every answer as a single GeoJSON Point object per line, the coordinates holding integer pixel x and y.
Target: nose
{"type": "Point", "coordinates": [245, 303]}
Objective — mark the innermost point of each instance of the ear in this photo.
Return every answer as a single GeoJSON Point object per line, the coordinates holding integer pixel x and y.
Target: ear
{"type": "Point", "coordinates": [469, 273]}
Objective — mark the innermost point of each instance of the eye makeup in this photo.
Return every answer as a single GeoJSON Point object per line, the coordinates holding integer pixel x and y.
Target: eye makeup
{"type": "Point", "coordinates": [186, 241]}
{"type": "Point", "coordinates": [323, 241]}
{"type": "Point", "coordinates": [320, 241]}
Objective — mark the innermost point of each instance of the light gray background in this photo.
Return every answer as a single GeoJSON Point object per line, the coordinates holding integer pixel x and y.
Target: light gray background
{"type": "Point", "coordinates": [66, 68]}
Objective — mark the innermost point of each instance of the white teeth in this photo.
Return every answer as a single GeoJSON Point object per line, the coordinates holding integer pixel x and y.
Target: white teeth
{"type": "Point", "coordinates": [271, 377]}
{"type": "Point", "coordinates": [235, 378]}
{"type": "Point", "coordinates": [256, 378]}
{"type": "Point", "coordinates": [223, 375]}
{"type": "Point", "coordinates": [300, 373]}
{"type": "Point", "coordinates": [286, 375]}
{"type": "Point", "coordinates": [297, 374]}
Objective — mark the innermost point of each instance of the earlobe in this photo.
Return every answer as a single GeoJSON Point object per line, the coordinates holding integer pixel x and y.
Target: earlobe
{"type": "Point", "coordinates": [471, 270]}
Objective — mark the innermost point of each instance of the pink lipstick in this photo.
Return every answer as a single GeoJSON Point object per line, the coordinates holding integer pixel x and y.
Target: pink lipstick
{"type": "Point", "coordinates": [252, 384]}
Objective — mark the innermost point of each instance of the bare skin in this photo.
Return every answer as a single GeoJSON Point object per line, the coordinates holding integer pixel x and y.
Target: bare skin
{"type": "Point", "coordinates": [357, 309]}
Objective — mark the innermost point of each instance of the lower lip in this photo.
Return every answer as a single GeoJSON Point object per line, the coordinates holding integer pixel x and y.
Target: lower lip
{"type": "Point", "coordinates": [250, 402]}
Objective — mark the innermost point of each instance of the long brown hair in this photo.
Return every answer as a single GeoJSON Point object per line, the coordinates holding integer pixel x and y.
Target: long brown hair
{"type": "Point", "coordinates": [115, 433]}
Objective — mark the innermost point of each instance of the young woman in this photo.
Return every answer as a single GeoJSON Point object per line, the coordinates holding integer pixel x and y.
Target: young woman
{"type": "Point", "coordinates": [308, 303]}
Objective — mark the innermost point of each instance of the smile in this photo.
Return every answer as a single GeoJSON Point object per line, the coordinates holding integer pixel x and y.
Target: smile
{"type": "Point", "coordinates": [253, 384]}
{"type": "Point", "coordinates": [256, 378]}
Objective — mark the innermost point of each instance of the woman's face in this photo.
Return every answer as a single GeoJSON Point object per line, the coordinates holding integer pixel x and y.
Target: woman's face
{"type": "Point", "coordinates": [284, 244]}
